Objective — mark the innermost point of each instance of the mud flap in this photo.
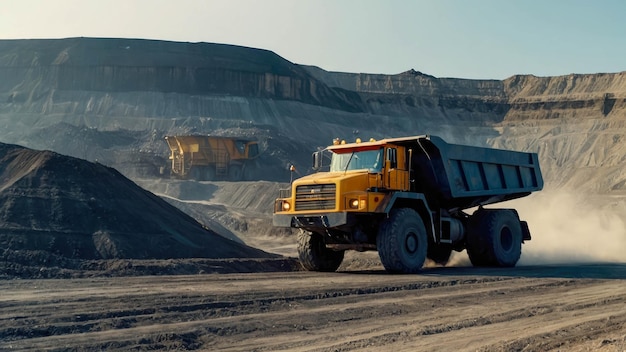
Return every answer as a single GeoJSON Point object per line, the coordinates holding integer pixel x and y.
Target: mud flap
{"type": "Point", "coordinates": [525, 231]}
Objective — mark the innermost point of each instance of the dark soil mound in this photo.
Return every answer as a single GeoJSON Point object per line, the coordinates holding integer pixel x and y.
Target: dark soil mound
{"type": "Point", "coordinates": [53, 206]}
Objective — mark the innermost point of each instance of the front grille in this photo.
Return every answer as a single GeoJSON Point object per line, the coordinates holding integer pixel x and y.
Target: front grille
{"type": "Point", "coordinates": [315, 197]}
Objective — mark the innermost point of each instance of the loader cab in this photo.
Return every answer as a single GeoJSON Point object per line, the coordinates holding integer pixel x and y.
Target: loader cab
{"type": "Point", "coordinates": [252, 150]}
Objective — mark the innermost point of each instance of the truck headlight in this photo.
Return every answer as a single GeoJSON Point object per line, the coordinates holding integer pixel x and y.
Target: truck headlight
{"type": "Point", "coordinates": [286, 206]}
{"type": "Point", "coordinates": [354, 203]}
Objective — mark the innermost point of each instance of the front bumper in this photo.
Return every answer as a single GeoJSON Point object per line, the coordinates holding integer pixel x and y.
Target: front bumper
{"type": "Point", "coordinates": [311, 221]}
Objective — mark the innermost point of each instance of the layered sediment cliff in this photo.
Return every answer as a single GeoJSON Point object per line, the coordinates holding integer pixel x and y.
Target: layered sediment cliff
{"type": "Point", "coordinates": [36, 72]}
{"type": "Point", "coordinates": [114, 99]}
{"type": "Point", "coordinates": [577, 123]}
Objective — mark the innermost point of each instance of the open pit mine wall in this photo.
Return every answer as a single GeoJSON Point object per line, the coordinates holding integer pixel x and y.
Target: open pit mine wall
{"type": "Point", "coordinates": [576, 122]}
{"type": "Point", "coordinates": [39, 75]}
{"type": "Point", "coordinates": [573, 96]}
{"type": "Point", "coordinates": [519, 97]}
{"type": "Point", "coordinates": [145, 78]}
{"type": "Point", "coordinates": [35, 73]}
{"type": "Point", "coordinates": [53, 91]}
{"type": "Point", "coordinates": [65, 87]}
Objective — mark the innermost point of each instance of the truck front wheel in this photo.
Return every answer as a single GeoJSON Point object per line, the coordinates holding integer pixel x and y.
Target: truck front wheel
{"type": "Point", "coordinates": [402, 241]}
{"type": "Point", "coordinates": [495, 238]}
{"type": "Point", "coordinates": [313, 254]}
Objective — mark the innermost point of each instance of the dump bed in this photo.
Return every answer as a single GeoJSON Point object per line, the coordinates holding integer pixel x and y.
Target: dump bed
{"type": "Point", "coordinates": [205, 157]}
{"type": "Point", "coordinates": [459, 176]}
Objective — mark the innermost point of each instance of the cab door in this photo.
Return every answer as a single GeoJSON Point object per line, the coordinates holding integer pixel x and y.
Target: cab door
{"type": "Point", "coordinates": [396, 173]}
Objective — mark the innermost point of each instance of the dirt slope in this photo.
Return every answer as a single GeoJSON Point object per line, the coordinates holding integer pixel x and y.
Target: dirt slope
{"type": "Point", "coordinates": [55, 206]}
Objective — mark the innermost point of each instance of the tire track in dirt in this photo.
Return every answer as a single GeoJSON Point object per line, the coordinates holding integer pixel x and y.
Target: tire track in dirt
{"type": "Point", "coordinates": [71, 318]}
{"type": "Point", "coordinates": [311, 312]}
{"type": "Point", "coordinates": [400, 326]}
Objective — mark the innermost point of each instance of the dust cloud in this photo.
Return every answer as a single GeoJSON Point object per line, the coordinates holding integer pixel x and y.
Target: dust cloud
{"type": "Point", "coordinates": [572, 228]}
{"type": "Point", "coordinates": [567, 228]}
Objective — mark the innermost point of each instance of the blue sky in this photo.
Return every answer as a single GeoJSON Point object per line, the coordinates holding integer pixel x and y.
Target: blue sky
{"type": "Point", "coordinates": [479, 39]}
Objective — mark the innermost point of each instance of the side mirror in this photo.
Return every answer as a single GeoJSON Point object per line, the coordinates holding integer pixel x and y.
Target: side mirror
{"type": "Point", "coordinates": [317, 161]}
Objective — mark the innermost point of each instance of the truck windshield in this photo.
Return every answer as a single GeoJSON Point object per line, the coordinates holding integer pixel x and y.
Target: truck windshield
{"type": "Point", "coordinates": [371, 160]}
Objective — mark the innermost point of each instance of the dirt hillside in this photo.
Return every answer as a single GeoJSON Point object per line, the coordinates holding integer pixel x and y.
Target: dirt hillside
{"type": "Point", "coordinates": [113, 100]}
{"type": "Point", "coordinates": [54, 208]}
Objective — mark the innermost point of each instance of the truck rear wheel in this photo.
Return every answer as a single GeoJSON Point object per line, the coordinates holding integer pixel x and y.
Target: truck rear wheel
{"type": "Point", "coordinates": [250, 171]}
{"type": "Point", "coordinates": [210, 173]}
{"type": "Point", "coordinates": [495, 238]}
{"type": "Point", "coordinates": [402, 241]}
{"type": "Point", "coordinates": [313, 254]}
{"type": "Point", "coordinates": [235, 172]}
{"type": "Point", "coordinates": [195, 173]}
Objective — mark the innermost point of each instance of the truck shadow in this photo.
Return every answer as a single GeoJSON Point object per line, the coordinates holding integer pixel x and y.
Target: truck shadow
{"type": "Point", "coordinates": [568, 271]}
{"type": "Point", "coordinates": [615, 271]}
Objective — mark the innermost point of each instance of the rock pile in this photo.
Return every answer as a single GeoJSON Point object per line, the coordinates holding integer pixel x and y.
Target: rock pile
{"type": "Point", "coordinates": [54, 207]}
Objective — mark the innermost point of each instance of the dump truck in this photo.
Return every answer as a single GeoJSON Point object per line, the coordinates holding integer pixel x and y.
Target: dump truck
{"type": "Point", "coordinates": [206, 158]}
{"type": "Point", "coordinates": [408, 198]}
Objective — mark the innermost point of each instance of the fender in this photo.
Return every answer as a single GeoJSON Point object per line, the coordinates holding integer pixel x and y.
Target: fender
{"type": "Point", "coordinates": [413, 200]}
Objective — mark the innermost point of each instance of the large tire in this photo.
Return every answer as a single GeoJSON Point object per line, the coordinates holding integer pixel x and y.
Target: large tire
{"type": "Point", "coordinates": [196, 173]}
{"type": "Point", "coordinates": [250, 171]}
{"type": "Point", "coordinates": [439, 253]}
{"type": "Point", "coordinates": [494, 238]}
{"type": "Point", "coordinates": [209, 174]}
{"type": "Point", "coordinates": [235, 172]}
{"type": "Point", "coordinates": [313, 254]}
{"type": "Point", "coordinates": [402, 241]}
